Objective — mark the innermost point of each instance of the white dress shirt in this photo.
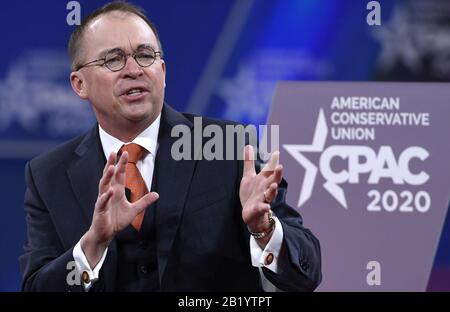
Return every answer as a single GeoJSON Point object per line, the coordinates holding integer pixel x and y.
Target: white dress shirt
{"type": "Point", "coordinates": [148, 139]}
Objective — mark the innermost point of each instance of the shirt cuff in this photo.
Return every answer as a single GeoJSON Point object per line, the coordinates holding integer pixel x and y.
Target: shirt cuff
{"type": "Point", "coordinates": [82, 266]}
{"type": "Point", "coordinates": [268, 257]}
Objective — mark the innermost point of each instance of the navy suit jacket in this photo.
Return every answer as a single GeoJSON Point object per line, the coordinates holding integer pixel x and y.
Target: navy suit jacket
{"type": "Point", "coordinates": [202, 242]}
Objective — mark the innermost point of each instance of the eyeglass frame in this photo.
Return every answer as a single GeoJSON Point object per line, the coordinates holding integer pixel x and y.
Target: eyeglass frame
{"type": "Point", "coordinates": [127, 55]}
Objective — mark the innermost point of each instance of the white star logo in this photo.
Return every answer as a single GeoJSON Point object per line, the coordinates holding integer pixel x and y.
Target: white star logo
{"type": "Point", "coordinates": [318, 145]}
{"type": "Point", "coordinates": [398, 42]}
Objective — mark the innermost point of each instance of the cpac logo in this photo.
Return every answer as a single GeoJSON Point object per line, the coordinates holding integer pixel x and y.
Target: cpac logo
{"type": "Point", "coordinates": [359, 159]}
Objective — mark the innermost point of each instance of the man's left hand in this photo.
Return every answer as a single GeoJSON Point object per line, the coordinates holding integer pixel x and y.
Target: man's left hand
{"type": "Point", "coordinates": [257, 191]}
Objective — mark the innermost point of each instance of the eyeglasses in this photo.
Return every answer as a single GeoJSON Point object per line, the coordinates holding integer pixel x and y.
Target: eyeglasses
{"type": "Point", "coordinates": [116, 59]}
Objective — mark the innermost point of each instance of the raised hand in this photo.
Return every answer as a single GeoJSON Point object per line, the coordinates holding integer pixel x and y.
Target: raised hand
{"type": "Point", "coordinates": [257, 191]}
{"type": "Point", "coordinates": [113, 212]}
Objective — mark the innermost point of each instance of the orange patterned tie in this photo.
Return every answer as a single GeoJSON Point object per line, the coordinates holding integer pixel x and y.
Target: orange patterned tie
{"type": "Point", "coordinates": [133, 178]}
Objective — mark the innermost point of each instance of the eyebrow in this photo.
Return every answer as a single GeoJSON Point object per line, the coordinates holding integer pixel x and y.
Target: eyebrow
{"type": "Point", "coordinates": [145, 45]}
{"type": "Point", "coordinates": [103, 53]}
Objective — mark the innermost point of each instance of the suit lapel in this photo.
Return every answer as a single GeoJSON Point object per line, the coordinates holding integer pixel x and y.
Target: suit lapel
{"type": "Point", "coordinates": [84, 174]}
{"type": "Point", "coordinates": [86, 171]}
{"type": "Point", "coordinates": [173, 181]}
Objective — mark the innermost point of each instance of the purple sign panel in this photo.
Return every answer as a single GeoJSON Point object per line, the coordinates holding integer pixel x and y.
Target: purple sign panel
{"type": "Point", "coordinates": [368, 166]}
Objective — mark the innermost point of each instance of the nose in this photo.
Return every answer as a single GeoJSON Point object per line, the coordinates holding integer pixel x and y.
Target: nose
{"type": "Point", "coordinates": [132, 69]}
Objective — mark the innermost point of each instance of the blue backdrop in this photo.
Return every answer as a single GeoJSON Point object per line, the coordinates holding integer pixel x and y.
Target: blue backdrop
{"type": "Point", "coordinates": [223, 60]}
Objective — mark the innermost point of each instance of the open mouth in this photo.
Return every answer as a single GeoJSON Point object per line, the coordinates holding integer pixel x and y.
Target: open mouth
{"type": "Point", "coordinates": [135, 92]}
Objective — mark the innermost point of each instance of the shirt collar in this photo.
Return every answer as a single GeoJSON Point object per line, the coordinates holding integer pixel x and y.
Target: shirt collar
{"type": "Point", "coordinates": [148, 139]}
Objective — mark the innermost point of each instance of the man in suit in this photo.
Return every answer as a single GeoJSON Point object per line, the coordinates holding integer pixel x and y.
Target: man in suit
{"type": "Point", "coordinates": [115, 202]}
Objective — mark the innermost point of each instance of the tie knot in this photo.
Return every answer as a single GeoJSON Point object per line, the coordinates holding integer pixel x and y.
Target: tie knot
{"type": "Point", "coordinates": [135, 152]}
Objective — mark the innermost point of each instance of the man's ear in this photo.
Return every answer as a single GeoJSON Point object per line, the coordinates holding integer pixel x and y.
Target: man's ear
{"type": "Point", "coordinates": [163, 65]}
{"type": "Point", "coordinates": [78, 84]}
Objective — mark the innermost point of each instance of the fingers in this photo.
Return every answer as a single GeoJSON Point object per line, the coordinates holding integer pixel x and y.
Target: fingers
{"type": "Point", "coordinates": [275, 176]}
{"type": "Point", "coordinates": [110, 161]}
{"type": "Point", "coordinates": [145, 201]}
{"type": "Point", "coordinates": [249, 161]}
{"type": "Point", "coordinates": [100, 205]}
{"type": "Point", "coordinates": [119, 172]}
{"type": "Point", "coordinates": [272, 164]}
{"type": "Point", "coordinates": [268, 187]}
{"type": "Point", "coordinates": [108, 172]}
{"type": "Point", "coordinates": [262, 209]}
{"type": "Point", "coordinates": [105, 180]}
{"type": "Point", "coordinates": [278, 174]}
{"type": "Point", "coordinates": [271, 193]}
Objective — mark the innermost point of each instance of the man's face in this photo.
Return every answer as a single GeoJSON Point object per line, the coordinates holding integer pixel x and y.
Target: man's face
{"type": "Point", "coordinates": [108, 91]}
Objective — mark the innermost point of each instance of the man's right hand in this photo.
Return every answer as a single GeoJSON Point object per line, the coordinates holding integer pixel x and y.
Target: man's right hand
{"type": "Point", "coordinates": [113, 212]}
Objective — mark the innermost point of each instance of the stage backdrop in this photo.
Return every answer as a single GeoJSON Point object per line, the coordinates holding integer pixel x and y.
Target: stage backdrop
{"type": "Point", "coordinates": [223, 59]}
{"type": "Point", "coordinates": [369, 170]}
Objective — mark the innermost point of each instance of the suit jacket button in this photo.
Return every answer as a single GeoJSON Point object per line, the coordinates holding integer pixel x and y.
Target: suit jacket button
{"type": "Point", "coordinates": [85, 277]}
{"type": "Point", "coordinates": [269, 258]}
{"type": "Point", "coordinates": [143, 245]}
{"type": "Point", "coordinates": [144, 269]}
{"type": "Point", "coordinates": [305, 266]}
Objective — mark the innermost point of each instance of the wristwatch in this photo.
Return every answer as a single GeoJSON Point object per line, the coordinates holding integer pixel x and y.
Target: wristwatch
{"type": "Point", "coordinates": [272, 227]}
